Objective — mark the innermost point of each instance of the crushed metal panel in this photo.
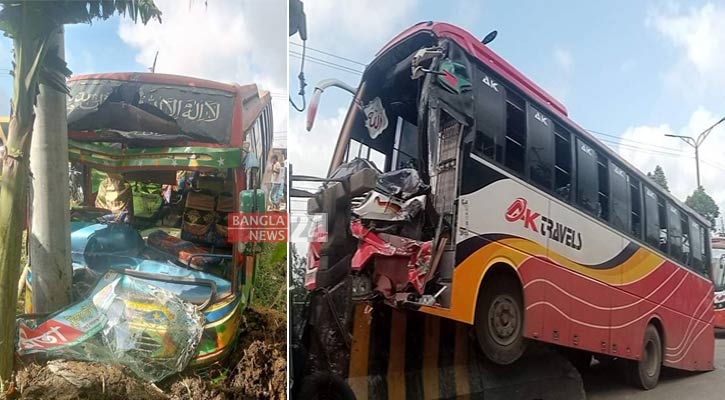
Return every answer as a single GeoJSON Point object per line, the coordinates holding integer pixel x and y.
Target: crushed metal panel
{"type": "Point", "coordinates": [124, 320]}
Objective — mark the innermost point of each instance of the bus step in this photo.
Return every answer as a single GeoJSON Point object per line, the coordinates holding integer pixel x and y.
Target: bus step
{"type": "Point", "coordinates": [406, 300]}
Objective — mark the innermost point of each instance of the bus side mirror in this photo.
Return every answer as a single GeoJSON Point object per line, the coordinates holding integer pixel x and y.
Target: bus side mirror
{"type": "Point", "coordinates": [317, 94]}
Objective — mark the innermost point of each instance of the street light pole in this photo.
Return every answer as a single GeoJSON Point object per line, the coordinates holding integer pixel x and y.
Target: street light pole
{"type": "Point", "coordinates": [695, 143]}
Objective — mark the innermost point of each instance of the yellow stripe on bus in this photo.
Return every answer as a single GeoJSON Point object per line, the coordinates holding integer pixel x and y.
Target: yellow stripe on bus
{"type": "Point", "coordinates": [468, 274]}
{"type": "Point", "coordinates": [358, 373]}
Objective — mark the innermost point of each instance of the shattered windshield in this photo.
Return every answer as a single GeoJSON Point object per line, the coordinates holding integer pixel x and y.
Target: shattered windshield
{"type": "Point", "coordinates": [132, 111]}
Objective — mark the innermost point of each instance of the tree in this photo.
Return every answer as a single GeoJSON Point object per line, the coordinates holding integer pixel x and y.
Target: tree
{"type": "Point", "coordinates": [31, 25]}
{"type": "Point", "coordinates": [298, 268]}
{"type": "Point", "coordinates": [701, 202]}
{"type": "Point", "coordinates": [658, 176]}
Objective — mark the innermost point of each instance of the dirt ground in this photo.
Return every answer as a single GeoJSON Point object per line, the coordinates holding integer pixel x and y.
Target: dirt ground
{"type": "Point", "coordinates": [256, 370]}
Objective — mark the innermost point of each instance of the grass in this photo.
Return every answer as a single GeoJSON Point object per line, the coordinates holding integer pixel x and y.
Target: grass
{"type": "Point", "coordinates": [270, 287]}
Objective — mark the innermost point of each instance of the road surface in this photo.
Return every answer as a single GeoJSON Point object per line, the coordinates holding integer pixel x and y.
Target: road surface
{"type": "Point", "coordinates": [605, 383]}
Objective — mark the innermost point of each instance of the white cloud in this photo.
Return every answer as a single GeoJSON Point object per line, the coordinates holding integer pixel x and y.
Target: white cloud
{"type": "Point", "coordinates": [347, 26]}
{"type": "Point", "coordinates": [680, 170]}
{"type": "Point", "coordinates": [559, 83]}
{"type": "Point", "coordinates": [699, 35]}
{"type": "Point", "coordinates": [226, 40]}
{"type": "Point", "coordinates": [563, 59]}
{"type": "Point", "coordinates": [311, 152]}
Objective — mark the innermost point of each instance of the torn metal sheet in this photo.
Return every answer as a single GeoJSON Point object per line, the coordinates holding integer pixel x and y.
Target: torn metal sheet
{"type": "Point", "coordinates": [124, 320]}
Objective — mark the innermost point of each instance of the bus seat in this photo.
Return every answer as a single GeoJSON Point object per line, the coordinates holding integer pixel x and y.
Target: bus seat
{"type": "Point", "coordinates": [181, 249]}
{"type": "Point", "coordinates": [199, 218]}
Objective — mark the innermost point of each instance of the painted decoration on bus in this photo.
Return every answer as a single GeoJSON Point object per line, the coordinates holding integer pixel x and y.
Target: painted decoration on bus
{"type": "Point", "coordinates": [147, 111]}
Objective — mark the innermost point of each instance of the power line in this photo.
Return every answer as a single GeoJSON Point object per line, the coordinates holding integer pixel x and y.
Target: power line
{"type": "Point", "coordinates": [330, 54]}
{"type": "Point", "coordinates": [633, 141]}
{"type": "Point", "coordinates": [325, 63]}
{"type": "Point", "coordinates": [648, 149]}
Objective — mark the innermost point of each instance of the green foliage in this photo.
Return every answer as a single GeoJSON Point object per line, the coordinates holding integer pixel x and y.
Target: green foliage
{"type": "Point", "coordinates": [658, 176]}
{"type": "Point", "coordinates": [701, 202]}
{"type": "Point", "coordinates": [270, 286]}
{"type": "Point", "coordinates": [32, 26]}
{"type": "Point", "coordinates": [298, 265]}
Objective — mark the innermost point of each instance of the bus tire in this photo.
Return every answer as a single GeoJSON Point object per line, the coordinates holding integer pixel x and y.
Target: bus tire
{"type": "Point", "coordinates": [499, 323]}
{"type": "Point", "coordinates": [324, 386]}
{"type": "Point", "coordinates": [645, 373]}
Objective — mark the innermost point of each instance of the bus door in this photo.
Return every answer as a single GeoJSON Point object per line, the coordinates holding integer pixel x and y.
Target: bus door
{"type": "Point", "coordinates": [445, 130]}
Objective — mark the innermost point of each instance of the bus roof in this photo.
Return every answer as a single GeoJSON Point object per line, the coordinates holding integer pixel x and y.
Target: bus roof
{"type": "Point", "coordinates": [477, 49]}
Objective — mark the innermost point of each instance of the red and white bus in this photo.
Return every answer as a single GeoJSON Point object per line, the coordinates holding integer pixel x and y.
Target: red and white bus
{"type": "Point", "coordinates": [491, 207]}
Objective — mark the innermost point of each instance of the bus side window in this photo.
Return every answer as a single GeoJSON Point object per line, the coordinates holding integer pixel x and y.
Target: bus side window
{"type": "Point", "coordinates": [652, 219]}
{"type": "Point", "coordinates": [619, 199]}
{"type": "Point", "coordinates": [587, 182]}
{"type": "Point", "coordinates": [675, 231]}
{"type": "Point", "coordinates": [705, 267]}
{"type": "Point", "coordinates": [662, 214]}
{"type": "Point", "coordinates": [515, 133]}
{"type": "Point", "coordinates": [540, 154]}
{"type": "Point", "coordinates": [695, 246]}
{"type": "Point", "coordinates": [635, 197]}
{"type": "Point", "coordinates": [562, 165]}
{"type": "Point", "coordinates": [700, 261]}
{"type": "Point", "coordinates": [603, 187]}
{"type": "Point", "coordinates": [685, 226]}
{"type": "Point", "coordinates": [490, 119]}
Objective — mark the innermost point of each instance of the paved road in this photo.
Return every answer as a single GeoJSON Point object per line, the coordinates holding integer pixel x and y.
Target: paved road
{"type": "Point", "coordinates": [606, 383]}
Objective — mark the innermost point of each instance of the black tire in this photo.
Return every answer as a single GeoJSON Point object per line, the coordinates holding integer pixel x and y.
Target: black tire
{"type": "Point", "coordinates": [645, 373]}
{"type": "Point", "coordinates": [324, 386]}
{"type": "Point", "coordinates": [499, 321]}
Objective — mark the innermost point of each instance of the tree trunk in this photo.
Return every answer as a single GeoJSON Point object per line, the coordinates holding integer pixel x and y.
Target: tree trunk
{"type": "Point", "coordinates": [13, 206]}
{"type": "Point", "coordinates": [49, 236]}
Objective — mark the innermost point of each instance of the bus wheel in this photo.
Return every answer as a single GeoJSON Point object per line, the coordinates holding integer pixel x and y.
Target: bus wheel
{"type": "Point", "coordinates": [645, 373]}
{"type": "Point", "coordinates": [324, 386]}
{"type": "Point", "coordinates": [499, 321]}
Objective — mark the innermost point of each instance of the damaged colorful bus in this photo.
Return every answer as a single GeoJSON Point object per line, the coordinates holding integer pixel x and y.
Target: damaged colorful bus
{"type": "Point", "coordinates": [461, 189]}
{"type": "Point", "coordinates": [159, 162]}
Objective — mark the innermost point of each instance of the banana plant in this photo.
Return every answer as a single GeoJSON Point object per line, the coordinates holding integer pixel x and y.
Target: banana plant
{"type": "Point", "coordinates": [31, 24]}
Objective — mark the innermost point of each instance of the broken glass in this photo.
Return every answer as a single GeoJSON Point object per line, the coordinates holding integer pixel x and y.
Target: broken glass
{"type": "Point", "coordinates": [124, 320]}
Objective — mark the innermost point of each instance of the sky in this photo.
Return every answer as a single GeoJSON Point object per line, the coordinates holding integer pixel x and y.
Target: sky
{"type": "Point", "coordinates": [240, 41]}
{"type": "Point", "coordinates": [633, 71]}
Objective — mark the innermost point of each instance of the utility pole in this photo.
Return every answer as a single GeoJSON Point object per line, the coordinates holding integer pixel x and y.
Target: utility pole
{"type": "Point", "coordinates": [695, 143]}
{"type": "Point", "coordinates": [49, 236]}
